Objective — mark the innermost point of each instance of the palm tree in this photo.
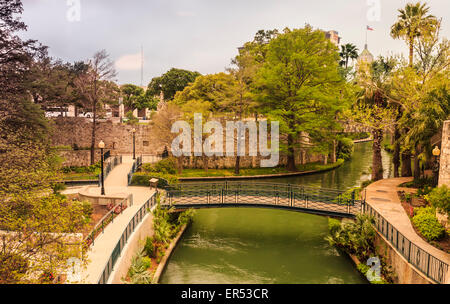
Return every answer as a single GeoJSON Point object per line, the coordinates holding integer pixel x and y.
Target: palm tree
{"type": "Point", "coordinates": [413, 22]}
{"type": "Point", "coordinates": [348, 51]}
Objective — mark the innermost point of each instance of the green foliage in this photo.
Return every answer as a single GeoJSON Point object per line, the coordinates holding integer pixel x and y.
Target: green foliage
{"type": "Point", "coordinates": [143, 179]}
{"type": "Point", "coordinates": [334, 225]}
{"type": "Point", "coordinates": [171, 82]}
{"type": "Point", "coordinates": [356, 237]}
{"type": "Point", "coordinates": [149, 248]}
{"type": "Point", "coordinates": [12, 268]}
{"type": "Point", "coordinates": [440, 198]}
{"type": "Point", "coordinates": [363, 268]}
{"type": "Point", "coordinates": [186, 217]}
{"type": "Point", "coordinates": [82, 169]}
{"type": "Point", "coordinates": [345, 148]}
{"type": "Point", "coordinates": [131, 119]}
{"type": "Point", "coordinates": [138, 271]}
{"type": "Point", "coordinates": [426, 222]}
{"type": "Point", "coordinates": [302, 99]}
{"type": "Point", "coordinates": [165, 166]}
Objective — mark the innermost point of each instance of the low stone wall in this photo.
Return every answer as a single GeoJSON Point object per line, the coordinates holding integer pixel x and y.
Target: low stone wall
{"type": "Point", "coordinates": [134, 244]}
{"type": "Point", "coordinates": [405, 273]}
{"type": "Point", "coordinates": [78, 158]}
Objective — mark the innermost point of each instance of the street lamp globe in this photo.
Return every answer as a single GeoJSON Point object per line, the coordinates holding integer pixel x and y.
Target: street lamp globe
{"type": "Point", "coordinates": [101, 144]}
{"type": "Point", "coordinates": [436, 151]}
{"type": "Point", "coordinates": [133, 130]}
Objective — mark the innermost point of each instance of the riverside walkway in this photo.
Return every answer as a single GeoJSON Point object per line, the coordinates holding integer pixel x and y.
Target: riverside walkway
{"type": "Point", "coordinates": [382, 197]}
{"type": "Point", "coordinates": [116, 184]}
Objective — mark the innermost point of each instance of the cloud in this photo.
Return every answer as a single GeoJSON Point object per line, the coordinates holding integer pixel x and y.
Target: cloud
{"type": "Point", "coordinates": [185, 14]}
{"type": "Point", "coordinates": [129, 62]}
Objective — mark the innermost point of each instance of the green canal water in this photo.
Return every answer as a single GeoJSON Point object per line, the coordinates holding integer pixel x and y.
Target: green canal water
{"type": "Point", "coordinates": [252, 245]}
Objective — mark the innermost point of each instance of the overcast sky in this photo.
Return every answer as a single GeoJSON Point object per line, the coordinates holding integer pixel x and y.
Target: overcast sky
{"type": "Point", "coordinates": [200, 35]}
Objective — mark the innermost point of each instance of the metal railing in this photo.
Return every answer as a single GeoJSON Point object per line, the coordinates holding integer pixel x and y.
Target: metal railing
{"type": "Point", "coordinates": [115, 254]}
{"type": "Point", "coordinates": [115, 211]}
{"type": "Point", "coordinates": [136, 165]}
{"type": "Point", "coordinates": [432, 267]}
{"type": "Point", "coordinates": [318, 200]}
{"type": "Point", "coordinates": [109, 166]}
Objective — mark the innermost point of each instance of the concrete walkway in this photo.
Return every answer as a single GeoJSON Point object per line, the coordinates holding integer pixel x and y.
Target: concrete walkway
{"type": "Point", "coordinates": [99, 253]}
{"type": "Point", "coordinates": [382, 196]}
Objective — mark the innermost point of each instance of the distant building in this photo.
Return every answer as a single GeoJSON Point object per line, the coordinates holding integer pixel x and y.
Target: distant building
{"type": "Point", "coordinates": [366, 56]}
{"type": "Point", "coordinates": [333, 36]}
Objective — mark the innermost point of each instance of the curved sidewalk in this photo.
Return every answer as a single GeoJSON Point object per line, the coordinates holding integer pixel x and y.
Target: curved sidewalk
{"type": "Point", "coordinates": [99, 252]}
{"type": "Point", "coordinates": [382, 196]}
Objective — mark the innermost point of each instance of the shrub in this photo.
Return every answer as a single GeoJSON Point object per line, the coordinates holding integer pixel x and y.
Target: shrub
{"type": "Point", "coordinates": [345, 148]}
{"type": "Point", "coordinates": [142, 179]}
{"type": "Point", "coordinates": [166, 166]}
{"type": "Point", "coordinates": [146, 262]}
{"type": "Point", "coordinates": [334, 225]}
{"type": "Point", "coordinates": [149, 248]}
{"type": "Point", "coordinates": [440, 199]}
{"type": "Point", "coordinates": [138, 272]}
{"type": "Point", "coordinates": [426, 222]}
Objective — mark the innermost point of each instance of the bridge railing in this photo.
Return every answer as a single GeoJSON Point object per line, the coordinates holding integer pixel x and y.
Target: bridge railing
{"type": "Point", "coordinates": [135, 221]}
{"type": "Point", "coordinates": [136, 165]}
{"type": "Point", "coordinates": [293, 196]}
{"type": "Point", "coordinates": [432, 267]}
{"type": "Point", "coordinates": [110, 164]}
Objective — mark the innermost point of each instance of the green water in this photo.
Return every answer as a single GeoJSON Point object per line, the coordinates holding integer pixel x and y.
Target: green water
{"type": "Point", "coordinates": [245, 245]}
{"type": "Point", "coordinates": [251, 245]}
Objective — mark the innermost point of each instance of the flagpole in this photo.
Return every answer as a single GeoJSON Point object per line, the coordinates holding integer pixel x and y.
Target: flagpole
{"type": "Point", "coordinates": [366, 36]}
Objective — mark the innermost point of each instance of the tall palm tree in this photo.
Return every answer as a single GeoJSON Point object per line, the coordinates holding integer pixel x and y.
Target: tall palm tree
{"type": "Point", "coordinates": [413, 22]}
{"type": "Point", "coordinates": [348, 51]}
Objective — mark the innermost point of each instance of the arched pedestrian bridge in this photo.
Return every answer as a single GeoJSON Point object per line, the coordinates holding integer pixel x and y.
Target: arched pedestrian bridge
{"type": "Point", "coordinates": [299, 198]}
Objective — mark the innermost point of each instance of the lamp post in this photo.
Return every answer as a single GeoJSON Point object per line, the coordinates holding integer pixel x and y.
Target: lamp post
{"type": "Point", "coordinates": [436, 153]}
{"type": "Point", "coordinates": [134, 143]}
{"type": "Point", "coordinates": [101, 145]}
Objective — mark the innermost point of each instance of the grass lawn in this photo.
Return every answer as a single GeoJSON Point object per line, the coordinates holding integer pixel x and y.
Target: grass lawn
{"type": "Point", "coordinates": [256, 171]}
{"type": "Point", "coordinates": [80, 176]}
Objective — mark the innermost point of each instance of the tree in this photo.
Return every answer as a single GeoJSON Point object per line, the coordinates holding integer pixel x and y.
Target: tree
{"type": "Point", "coordinates": [413, 22]}
{"type": "Point", "coordinates": [33, 222]}
{"type": "Point", "coordinates": [95, 87]}
{"type": "Point", "coordinates": [136, 98]}
{"type": "Point", "coordinates": [348, 51]}
{"type": "Point", "coordinates": [372, 108]}
{"type": "Point", "coordinates": [171, 82]}
{"type": "Point", "coordinates": [299, 85]}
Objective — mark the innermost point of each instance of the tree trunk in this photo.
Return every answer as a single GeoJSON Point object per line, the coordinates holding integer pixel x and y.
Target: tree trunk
{"type": "Point", "coordinates": [93, 139]}
{"type": "Point", "coordinates": [333, 152]}
{"type": "Point", "coordinates": [205, 163]}
{"type": "Point", "coordinates": [411, 52]}
{"type": "Point", "coordinates": [396, 153]}
{"type": "Point", "coordinates": [237, 165]}
{"type": "Point", "coordinates": [180, 164]}
{"type": "Point", "coordinates": [377, 164]}
{"type": "Point", "coordinates": [291, 155]}
{"type": "Point", "coordinates": [406, 164]}
{"type": "Point", "coordinates": [417, 164]}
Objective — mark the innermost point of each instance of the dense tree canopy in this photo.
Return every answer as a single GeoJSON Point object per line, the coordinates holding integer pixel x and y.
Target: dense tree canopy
{"type": "Point", "coordinates": [171, 82]}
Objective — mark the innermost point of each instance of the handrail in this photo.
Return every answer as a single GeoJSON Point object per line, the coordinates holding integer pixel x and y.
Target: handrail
{"type": "Point", "coordinates": [110, 165]}
{"type": "Point", "coordinates": [105, 220]}
{"type": "Point", "coordinates": [136, 165]}
{"type": "Point", "coordinates": [134, 222]}
{"type": "Point", "coordinates": [432, 267]}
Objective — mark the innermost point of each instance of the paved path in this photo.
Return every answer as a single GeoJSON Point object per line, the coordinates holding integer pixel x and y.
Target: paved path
{"type": "Point", "coordinates": [100, 251]}
{"type": "Point", "coordinates": [382, 196]}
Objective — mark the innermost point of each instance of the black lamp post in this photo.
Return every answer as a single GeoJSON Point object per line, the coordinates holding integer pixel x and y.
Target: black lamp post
{"type": "Point", "coordinates": [436, 153]}
{"type": "Point", "coordinates": [134, 143]}
{"type": "Point", "coordinates": [101, 145]}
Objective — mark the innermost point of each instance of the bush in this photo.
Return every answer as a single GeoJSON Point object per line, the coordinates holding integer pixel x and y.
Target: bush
{"type": "Point", "coordinates": [439, 198]}
{"type": "Point", "coordinates": [345, 148]}
{"type": "Point", "coordinates": [426, 222]}
{"type": "Point", "coordinates": [149, 248]}
{"type": "Point", "coordinates": [166, 166]}
{"type": "Point", "coordinates": [142, 179]}
{"type": "Point", "coordinates": [334, 225]}
{"type": "Point", "coordinates": [146, 262]}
